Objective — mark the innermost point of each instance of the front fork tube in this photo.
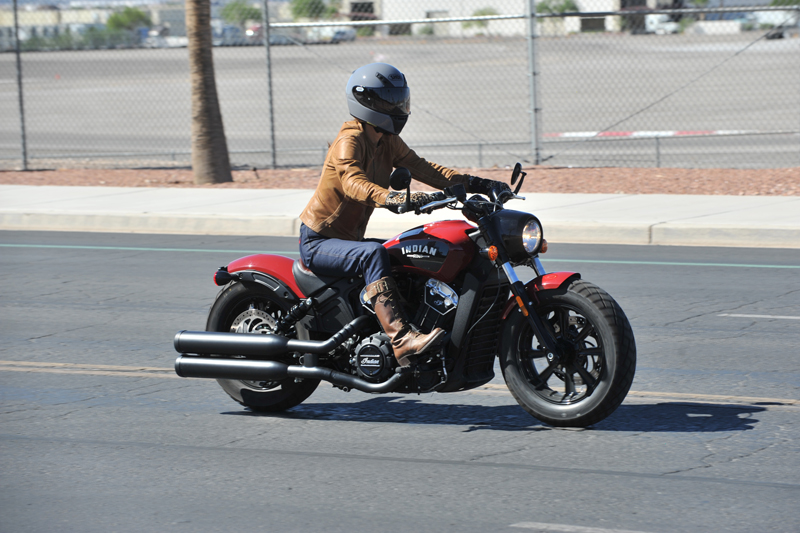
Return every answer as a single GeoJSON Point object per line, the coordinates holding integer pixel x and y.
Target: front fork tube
{"type": "Point", "coordinates": [542, 332]}
{"type": "Point", "coordinates": [537, 267]}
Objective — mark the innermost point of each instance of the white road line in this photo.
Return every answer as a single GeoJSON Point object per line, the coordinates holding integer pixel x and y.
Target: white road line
{"type": "Point", "coordinates": [568, 528]}
{"type": "Point", "coordinates": [779, 317]}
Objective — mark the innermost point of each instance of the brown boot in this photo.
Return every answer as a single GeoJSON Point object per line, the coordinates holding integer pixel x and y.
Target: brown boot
{"type": "Point", "coordinates": [406, 342]}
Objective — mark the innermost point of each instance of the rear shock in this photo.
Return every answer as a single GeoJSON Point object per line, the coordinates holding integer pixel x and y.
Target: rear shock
{"type": "Point", "coordinates": [297, 312]}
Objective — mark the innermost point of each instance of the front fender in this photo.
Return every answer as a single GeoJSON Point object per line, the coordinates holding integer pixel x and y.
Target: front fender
{"type": "Point", "coordinates": [551, 281]}
{"type": "Point", "coordinates": [276, 270]}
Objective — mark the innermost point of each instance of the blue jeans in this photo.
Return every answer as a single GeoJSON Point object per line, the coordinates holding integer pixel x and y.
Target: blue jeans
{"type": "Point", "coordinates": [340, 258]}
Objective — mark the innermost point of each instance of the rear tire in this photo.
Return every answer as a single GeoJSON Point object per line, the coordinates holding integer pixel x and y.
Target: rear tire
{"type": "Point", "coordinates": [597, 368]}
{"type": "Point", "coordinates": [250, 308]}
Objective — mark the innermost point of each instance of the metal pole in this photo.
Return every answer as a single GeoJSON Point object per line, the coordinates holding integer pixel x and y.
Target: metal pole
{"type": "Point", "coordinates": [23, 139]}
{"type": "Point", "coordinates": [265, 26]}
{"type": "Point", "coordinates": [658, 151]}
{"type": "Point", "coordinates": [534, 84]}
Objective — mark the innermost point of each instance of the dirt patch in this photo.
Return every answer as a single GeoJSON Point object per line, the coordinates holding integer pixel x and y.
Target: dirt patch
{"type": "Point", "coordinates": [742, 182]}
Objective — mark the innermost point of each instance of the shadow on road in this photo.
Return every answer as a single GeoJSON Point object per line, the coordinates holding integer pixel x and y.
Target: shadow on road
{"type": "Point", "coordinates": [681, 417]}
{"type": "Point", "coordinates": [660, 417]}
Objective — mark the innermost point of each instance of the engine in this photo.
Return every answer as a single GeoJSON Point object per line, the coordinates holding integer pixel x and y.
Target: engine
{"type": "Point", "coordinates": [435, 304]}
{"type": "Point", "coordinates": [373, 358]}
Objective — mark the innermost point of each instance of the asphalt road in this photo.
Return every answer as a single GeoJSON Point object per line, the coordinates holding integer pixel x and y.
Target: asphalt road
{"type": "Point", "coordinates": [97, 434]}
{"type": "Point", "coordinates": [466, 97]}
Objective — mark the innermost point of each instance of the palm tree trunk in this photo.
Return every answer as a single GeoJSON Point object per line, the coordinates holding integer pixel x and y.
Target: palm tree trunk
{"type": "Point", "coordinates": [210, 162]}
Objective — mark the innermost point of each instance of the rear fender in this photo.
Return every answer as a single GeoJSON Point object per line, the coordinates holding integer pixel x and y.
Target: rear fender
{"type": "Point", "coordinates": [552, 281]}
{"type": "Point", "coordinates": [272, 271]}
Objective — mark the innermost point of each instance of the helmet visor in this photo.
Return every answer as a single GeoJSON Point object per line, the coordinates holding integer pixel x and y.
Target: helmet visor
{"type": "Point", "coordinates": [388, 100]}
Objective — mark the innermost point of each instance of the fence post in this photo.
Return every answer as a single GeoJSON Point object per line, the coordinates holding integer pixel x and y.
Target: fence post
{"type": "Point", "coordinates": [534, 84]}
{"type": "Point", "coordinates": [658, 151]}
{"type": "Point", "coordinates": [265, 28]}
{"type": "Point", "coordinates": [23, 140]}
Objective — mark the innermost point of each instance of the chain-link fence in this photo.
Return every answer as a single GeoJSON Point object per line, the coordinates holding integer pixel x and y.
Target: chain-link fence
{"type": "Point", "coordinates": [599, 83]}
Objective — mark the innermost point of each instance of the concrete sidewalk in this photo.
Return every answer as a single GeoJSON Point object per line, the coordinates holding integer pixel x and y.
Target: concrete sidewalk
{"type": "Point", "coordinates": [745, 221]}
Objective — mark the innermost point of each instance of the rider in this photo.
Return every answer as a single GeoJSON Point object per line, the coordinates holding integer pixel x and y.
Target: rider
{"type": "Point", "coordinates": [354, 181]}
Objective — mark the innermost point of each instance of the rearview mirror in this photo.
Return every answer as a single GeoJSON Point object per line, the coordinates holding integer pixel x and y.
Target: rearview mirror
{"type": "Point", "coordinates": [515, 173]}
{"type": "Point", "coordinates": [400, 179]}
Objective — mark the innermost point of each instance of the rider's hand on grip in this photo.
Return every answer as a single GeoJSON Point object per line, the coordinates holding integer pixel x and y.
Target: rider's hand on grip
{"type": "Point", "coordinates": [492, 188]}
{"type": "Point", "coordinates": [396, 201]}
{"type": "Point", "coordinates": [420, 199]}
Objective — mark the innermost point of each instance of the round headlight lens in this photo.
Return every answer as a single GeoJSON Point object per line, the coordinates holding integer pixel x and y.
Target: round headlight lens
{"type": "Point", "coordinates": [532, 236]}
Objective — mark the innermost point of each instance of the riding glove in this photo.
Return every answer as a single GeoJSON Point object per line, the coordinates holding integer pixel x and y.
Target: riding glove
{"type": "Point", "coordinates": [396, 201]}
{"type": "Point", "coordinates": [478, 185]}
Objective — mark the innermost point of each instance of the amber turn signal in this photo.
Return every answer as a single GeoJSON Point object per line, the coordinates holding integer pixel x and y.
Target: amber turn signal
{"type": "Point", "coordinates": [543, 249]}
{"type": "Point", "coordinates": [490, 253]}
{"type": "Point", "coordinates": [522, 306]}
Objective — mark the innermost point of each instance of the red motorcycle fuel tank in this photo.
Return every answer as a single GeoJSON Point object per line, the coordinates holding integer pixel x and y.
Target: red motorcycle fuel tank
{"type": "Point", "coordinates": [438, 250]}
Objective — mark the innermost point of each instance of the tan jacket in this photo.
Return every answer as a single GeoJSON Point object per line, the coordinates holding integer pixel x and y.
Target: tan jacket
{"type": "Point", "coordinates": [355, 180]}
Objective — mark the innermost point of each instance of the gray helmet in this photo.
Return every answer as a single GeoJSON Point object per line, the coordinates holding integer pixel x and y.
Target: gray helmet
{"type": "Point", "coordinates": [378, 94]}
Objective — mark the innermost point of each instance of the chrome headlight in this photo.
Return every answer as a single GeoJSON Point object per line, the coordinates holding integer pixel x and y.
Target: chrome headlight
{"type": "Point", "coordinates": [532, 236]}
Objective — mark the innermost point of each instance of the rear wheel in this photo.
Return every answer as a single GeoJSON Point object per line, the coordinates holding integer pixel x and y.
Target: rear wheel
{"type": "Point", "coordinates": [594, 371]}
{"type": "Point", "coordinates": [253, 309]}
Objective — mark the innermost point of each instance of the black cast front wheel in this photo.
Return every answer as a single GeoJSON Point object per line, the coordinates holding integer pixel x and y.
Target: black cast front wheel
{"type": "Point", "coordinates": [593, 371]}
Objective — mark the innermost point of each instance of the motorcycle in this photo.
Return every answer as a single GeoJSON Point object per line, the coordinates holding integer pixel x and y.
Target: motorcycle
{"type": "Point", "coordinates": [566, 349]}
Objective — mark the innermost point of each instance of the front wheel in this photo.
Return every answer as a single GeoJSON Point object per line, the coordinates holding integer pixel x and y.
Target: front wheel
{"type": "Point", "coordinates": [250, 308]}
{"type": "Point", "coordinates": [593, 373]}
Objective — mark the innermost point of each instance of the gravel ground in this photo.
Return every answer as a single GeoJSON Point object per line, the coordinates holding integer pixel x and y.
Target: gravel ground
{"type": "Point", "coordinates": [742, 182]}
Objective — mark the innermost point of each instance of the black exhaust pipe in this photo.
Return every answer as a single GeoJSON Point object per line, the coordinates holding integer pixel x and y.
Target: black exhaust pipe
{"type": "Point", "coordinates": [207, 342]}
{"type": "Point", "coordinates": [244, 369]}
{"type": "Point", "coordinates": [211, 342]}
{"type": "Point", "coordinates": [250, 370]}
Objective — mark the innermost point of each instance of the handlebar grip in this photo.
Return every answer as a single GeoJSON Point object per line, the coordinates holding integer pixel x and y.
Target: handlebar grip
{"type": "Point", "coordinates": [505, 196]}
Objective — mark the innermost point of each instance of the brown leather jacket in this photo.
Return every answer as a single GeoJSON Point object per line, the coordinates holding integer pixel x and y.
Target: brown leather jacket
{"type": "Point", "coordinates": [355, 180]}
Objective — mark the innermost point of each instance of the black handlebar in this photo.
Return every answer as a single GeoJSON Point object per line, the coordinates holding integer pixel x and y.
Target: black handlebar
{"type": "Point", "coordinates": [458, 193]}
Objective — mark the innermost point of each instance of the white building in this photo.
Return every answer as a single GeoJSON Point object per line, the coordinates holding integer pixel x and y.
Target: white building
{"type": "Point", "coordinates": [398, 10]}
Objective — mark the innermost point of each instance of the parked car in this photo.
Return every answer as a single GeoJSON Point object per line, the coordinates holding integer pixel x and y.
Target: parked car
{"type": "Point", "coordinates": [660, 25]}
{"type": "Point", "coordinates": [277, 39]}
{"type": "Point", "coordinates": [256, 36]}
{"type": "Point", "coordinates": [230, 36]}
{"type": "Point", "coordinates": [344, 35]}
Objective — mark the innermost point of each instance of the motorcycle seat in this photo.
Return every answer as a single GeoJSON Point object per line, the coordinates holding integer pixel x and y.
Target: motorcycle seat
{"type": "Point", "coordinates": [309, 282]}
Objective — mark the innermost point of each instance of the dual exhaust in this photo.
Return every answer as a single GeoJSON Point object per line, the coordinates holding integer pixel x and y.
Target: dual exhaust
{"type": "Point", "coordinates": [205, 343]}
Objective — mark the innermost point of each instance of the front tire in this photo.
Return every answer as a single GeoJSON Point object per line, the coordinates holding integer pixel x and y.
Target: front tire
{"type": "Point", "coordinates": [597, 365]}
{"type": "Point", "coordinates": [250, 308]}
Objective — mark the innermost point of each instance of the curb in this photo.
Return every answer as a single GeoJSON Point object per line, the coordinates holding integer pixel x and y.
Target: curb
{"type": "Point", "coordinates": [138, 223]}
{"type": "Point", "coordinates": [646, 134]}
{"type": "Point", "coordinates": [664, 234]}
